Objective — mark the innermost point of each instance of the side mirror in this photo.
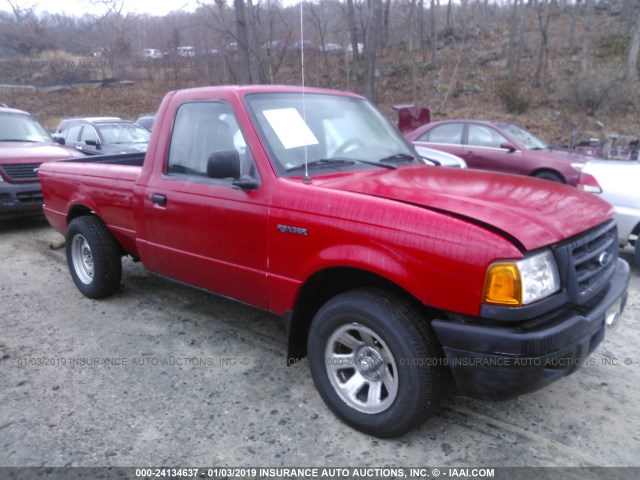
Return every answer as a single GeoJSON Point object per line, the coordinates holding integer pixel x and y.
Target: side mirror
{"type": "Point", "coordinates": [508, 146]}
{"type": "Point", "coordinates": [58, 139]}
{"type": "Point", "coordinates": [224, 164]}
{"type": "Point", "coordinates": [94, 143]}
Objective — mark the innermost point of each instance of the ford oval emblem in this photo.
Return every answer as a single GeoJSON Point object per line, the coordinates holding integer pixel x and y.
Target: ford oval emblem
{"type": "Point", "coordinates": [603, 259]}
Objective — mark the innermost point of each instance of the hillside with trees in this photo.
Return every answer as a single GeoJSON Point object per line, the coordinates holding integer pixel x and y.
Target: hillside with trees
{"type": "Point", "coordinates": [554, 66]}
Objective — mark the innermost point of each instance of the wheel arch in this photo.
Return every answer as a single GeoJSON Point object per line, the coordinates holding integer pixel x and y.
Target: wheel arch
{"type": "Point", "coordinates": [78, 210]}
{"type": "Point", "coordinates": [321, 287]}
{"type": "Point", "coordinates": [552, 171]}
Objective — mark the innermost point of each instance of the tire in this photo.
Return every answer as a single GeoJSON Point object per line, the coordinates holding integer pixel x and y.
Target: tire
{"type": "Point", "coordinates": [552, 176]}
{"type": "Point", "coordinates": [93, 257]}
{"type": "Point", "coordinates": [637, 252]}
{"type": "Point", "coordinates": [374, 362]}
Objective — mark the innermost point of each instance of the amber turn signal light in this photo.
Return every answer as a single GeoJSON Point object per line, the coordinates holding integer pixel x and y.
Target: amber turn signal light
{"type": "Point", "coordinates": [503, 285]}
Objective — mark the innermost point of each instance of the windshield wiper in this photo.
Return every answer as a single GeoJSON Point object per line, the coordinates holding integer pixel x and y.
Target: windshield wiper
{"type": "Point", "coordinates": [340, 161]}
{"type": "Point", "coordinates": [320, 163]}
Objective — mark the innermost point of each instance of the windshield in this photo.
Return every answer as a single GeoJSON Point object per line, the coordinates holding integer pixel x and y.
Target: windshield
{"type": "Point", "coordinates": [22, 128]}
{"type": "Point", "coordinates": [332, 131]}
{"type": "Point", "coordinates": [524, 137]}
{"type": "Point", "coordinates": [124, 133]}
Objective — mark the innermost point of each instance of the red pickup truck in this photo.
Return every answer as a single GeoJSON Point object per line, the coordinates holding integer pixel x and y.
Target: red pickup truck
{"type": "Point", "coordinates": [392, 275]}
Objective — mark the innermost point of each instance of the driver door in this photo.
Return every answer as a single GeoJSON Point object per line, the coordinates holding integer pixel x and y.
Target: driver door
{"type": "Point", "coordinates": [202, 231]}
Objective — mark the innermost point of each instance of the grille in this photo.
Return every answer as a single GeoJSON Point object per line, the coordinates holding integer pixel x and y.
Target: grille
{"type": "Point", "coordinates": [592, 261]}
{"type": "Point", "coordinates": [24, 171]}
{"type": "Point", "coordinates": [30, 197]}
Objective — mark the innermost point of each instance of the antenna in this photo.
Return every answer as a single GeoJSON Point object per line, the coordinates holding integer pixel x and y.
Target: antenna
{"type": "Point", "coordinates": [306, 178]}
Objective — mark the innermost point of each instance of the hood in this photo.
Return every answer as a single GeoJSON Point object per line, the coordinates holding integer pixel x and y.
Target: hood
{"type": "Point", "coordinates": [30, 152]}
{"type": "Point", "coordinates": [534, 213]}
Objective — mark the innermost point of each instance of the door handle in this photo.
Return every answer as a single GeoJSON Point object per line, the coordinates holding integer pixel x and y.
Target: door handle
{"type": "Point", "coordinates": [159, 199]}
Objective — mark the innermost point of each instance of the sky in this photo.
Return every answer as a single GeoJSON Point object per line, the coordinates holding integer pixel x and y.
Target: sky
{"type": "Point", "coordinates": [81, 7]}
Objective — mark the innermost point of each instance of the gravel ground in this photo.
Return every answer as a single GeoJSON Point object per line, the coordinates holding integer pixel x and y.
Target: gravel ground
{"type": "Point", "coordinates": [195, 380]}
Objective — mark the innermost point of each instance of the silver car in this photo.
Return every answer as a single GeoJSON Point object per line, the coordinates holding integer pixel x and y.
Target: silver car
{"type": "Point", "coordinates": [437, 157]}
{"type": "Point", "coordinates": [617, 182]}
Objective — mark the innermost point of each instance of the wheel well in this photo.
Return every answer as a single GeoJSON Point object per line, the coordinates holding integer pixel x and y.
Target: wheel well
{"type": "Point", "coordinates": [321, 287]}
{"type": "Point", "coordinates": [77, 211]}
{"type": "Point", "coordinates": [548, 170]}
{"type": "Point", "coordinates": [81, 211]}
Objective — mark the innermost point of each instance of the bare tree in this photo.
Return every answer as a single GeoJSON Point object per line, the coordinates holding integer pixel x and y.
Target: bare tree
{"type": "Point", "coordinates": [634, 49]}
{"type": "Point", "coordinates": [516, 28]}
{"type": "Point", "coordinates": [353, 29]}
{"type": "Point", "coordinates": [371, 41]}
{"type": "Point", "coordinates": [244, 61]}
{"type": "Point", "coordinates": [450, 29]}
{"type": "Point", "coordinates": [573, 13]}
{"type": "Point", "coordinates": [434, 32]}
{"type": "Point", "coordinates": [539, 78]}
{"type": "Point", "coordinates": [385, 22]}
{"type": "Point", "coordinates": [586, 39]}
{"type": "Point", "coordinates": [22, 31]}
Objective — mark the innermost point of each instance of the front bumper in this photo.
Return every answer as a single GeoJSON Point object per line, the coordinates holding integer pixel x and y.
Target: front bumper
{"type": "Point", "coordinates": [20, 200]}
{"type": "Point", "coordinates": [500, 362]}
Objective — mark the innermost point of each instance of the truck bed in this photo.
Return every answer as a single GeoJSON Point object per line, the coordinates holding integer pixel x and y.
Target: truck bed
{"type": "Point", "coordinates": [103, 183]}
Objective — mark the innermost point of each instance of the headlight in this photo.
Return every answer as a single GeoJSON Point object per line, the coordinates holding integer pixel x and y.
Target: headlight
{"type": "Point", "coordinates": [514, 283]}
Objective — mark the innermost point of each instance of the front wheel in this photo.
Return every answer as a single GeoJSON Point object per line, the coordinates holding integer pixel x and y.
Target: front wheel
{"type": "Point", "coordinates": [93, 257]}
{"type": "Point", "coordinates": [374, 362]}
{"type": "Point", "coordinates": [552, 176]}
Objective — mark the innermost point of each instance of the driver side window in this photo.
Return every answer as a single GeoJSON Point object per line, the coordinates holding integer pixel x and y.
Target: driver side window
{"type": "Point", "coordinates": [88, 133]}
{"type": "Point", "coordinates": [483, 136]}
{"type": "Point", "coordinates": [201, 129]}
{"type": "Point", "coordinates": [448, 133]}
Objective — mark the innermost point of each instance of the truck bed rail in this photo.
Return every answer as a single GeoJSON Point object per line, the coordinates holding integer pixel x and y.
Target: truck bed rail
{"type": "Point", "coordinates": [132, 159]}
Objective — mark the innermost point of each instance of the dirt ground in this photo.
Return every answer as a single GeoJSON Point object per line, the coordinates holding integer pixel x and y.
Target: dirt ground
{"type": "Point", "coordinates": [161, 374]}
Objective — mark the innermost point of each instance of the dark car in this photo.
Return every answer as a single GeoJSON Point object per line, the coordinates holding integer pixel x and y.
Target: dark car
{"type": "Point", "coordinates": [105, 136]}
{"type": "Point", "coordinates": [147, 120]}
{"type": "Point", "coordinates": [69, 122]}
{"type": "Point", "coordinates": [24, 145]}
{"type": "Point", "coordinates": [500, 146]}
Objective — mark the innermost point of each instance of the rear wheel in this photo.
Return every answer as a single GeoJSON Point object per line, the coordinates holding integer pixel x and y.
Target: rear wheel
{"type": "Point", "coordinates": [374, 362]}
{"type": "Point", "coordinates": [93, 257]}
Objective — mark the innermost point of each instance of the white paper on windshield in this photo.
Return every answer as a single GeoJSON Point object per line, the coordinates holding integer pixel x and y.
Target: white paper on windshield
{"type": "Point", "coordinates": [290, 128]}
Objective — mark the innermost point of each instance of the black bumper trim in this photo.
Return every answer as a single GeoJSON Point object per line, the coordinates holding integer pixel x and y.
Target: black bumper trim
{"type": "Point", "coordinates": [18, 200]}
{"type": "Point", "coordinates": [497, 362]}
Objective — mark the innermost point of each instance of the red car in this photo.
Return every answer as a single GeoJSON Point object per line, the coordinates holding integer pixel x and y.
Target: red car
{"type": "Point", "coordinates": [24, 145]}
{"type": "Point", "coordinates": [500, 146]}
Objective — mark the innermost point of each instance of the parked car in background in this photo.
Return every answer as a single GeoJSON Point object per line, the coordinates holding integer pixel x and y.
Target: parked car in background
{"type": "Point", "coordinates": [106, 136]}
{"type": "Point", "coordinates": [187, 51]}
{"type": "Point", "coordinates": [617, 182]}
{"type": "Point", "coordinates": [24, 145]}
{"type": "Point", "coordinates": [147, 120]}
{"type": "Point", "coordinates": [438, 157]}
{"type": "Point", "coordinates": [500, 146]}
{"type": "Point", "coordinates": [152, 54]}
{"type": "Point", "coordinates": [69, 122]}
